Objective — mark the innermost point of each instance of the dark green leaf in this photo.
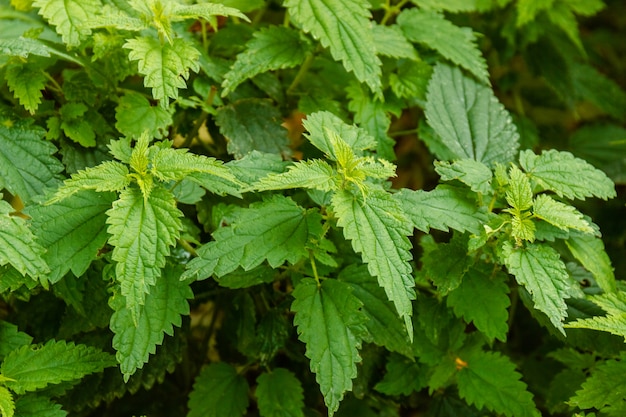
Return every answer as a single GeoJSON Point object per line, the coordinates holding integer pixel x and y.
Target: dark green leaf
{"type": "Point", "coordinates": [219, 391]}
{"type": "Point", "coordinates": [280, 394]}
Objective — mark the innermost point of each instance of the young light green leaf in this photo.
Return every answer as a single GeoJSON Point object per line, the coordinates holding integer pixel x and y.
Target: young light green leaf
{"type": "Point", "coordinates": [112, 17]}
{"type": "Point", "coordinates": [23, 47]}
{"type": "Point", "coordinates": [7, 405]}
{"type": "Point", "coordinates": [169, 164]}
{"type": "Point", "coordinates": [527, 10]}
{"type": "Point", "coordinates": [252, 124]}
{"type": "Point", "coordinates": [27, 166]}
{"type": "Point", "coordinates": [37, 405]}
{"type": "Point", "coordinates": [322, 125]}
{"type": "Point", "coordinates": [468, 118]}
{"type": "Point", "coordinates": [470, 172]}
{"type": "Point", "coordinates": [276, 230]}
{"type": "Point", "coordinates": [142, 231]}
{"type": "Point", "coordinates": [614, 304]}
{"type": "Point", "coordinates": [206, 11]}
{"type": "Point", "coordinates": [604, 387]}
{"type": "Point", "coordinates": [165, 66]}
{"type": "Point", "coordinates": [315, 174]}
{"type": "Point", "coordinates": [383, 325]}
{"type": "Point", "coordinates": [378, 230]}
{"type": "Point", "coordinates": [540, 270]}
{"type": "Point", "coordinates": [69, 17]}
{"type": "Point", "coordinates": [343, 27]}
{"type": "Point", "coordinates": [453, 6]}
{"type": "Point", "coordinates": [280, 394]}
{"type": "Point", "coordinates": [390, 41]}
{"type": "Point", "coordinates": [107, 176]}
{"type": "Point", "coordinates": [72, 230]}
{"type": "Point", "coordinates": [489, 380]}
{"type": "Point", "coordinates": [330, 323]}
{"type": "Point", "coordinates": [270, 49]}
{"type": "Point", "coordinates": [27, 83]}
{"type": "Point", "coordinates": [18, 245]}
{"type": "Point", "coordinates": [559, 214]}
{"type": "Point", "coordinates": [482, 298]}
{"type": "Point", "coordinates": [520, 193]}
{"type": "Point", "coordinates": [443, 208]}
{"type": "Point", "coordinates": [135, 115]}
{"type": "Point", "coordinates": [589, 250]}
{"type": "Point", "coordinates": [163, 308]}
{"type": "Point", "coordinates": [452, 42]}
{"type": "Point", "coordinates": [33, 367]}
{"type": "Point", "coordinates": [566, 175]}
{"type": "Point", "coordinates": [219, 391]}
{"type": "Point", "coordinates": [11, 338]}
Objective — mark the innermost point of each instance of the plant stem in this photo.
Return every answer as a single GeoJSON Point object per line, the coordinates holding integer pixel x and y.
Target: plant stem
{"type": "Point", "coordinates": [391, 11]}
{"type": "Point", "coordinates": [314, 267]}
{"type": "Point", "coordinates": [304, 68]}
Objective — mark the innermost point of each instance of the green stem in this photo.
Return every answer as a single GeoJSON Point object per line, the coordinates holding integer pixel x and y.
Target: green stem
{"type": "Point", "coordinates": [304, 68]}
{"type": "Point", "coordinates": [402, 132]}
{"type": "Point", "coordinates": [314, 268]}
{"type": "Point", "coordinates": [187, 247]}
{"type": "Point", "coordinates": [391, 11]}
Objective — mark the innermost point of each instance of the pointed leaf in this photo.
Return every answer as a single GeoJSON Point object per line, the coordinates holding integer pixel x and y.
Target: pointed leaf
{"type": "Point", "coordinates": [559, 214]}
{"type": "Point", "coordinates": [590, 252]}
{"type": "Point", "coordinates": [378, 230]}
{"type": "Point", "coordinates": [27, 83]}
{"type": "Point", "coordinates": [472, 173]}
{"type": "Point", "coordinates": [330, 323]}
{"type": "Point", "coordinates": [315, 174]}
{"type": "Point", "coordinates": [390, 41]}
{"type": "Point", "coordinates": [27, 166]}
{"type": "Point", "coordinates": [72, 231]}
{"type": "Point", "coordinates": [165, 66]}
{"type": "Point", "coordinates": [162, 310]}
{"type": "Point", "coordinates": [615, 319]}
{"type": "Point", "coordinates": [205, 11]}
{"type": "Point", "coordinates": [540, 270]}
{"type": "Point", "coordinates": [566, 175]}
{"type": "Point", "coordinates": [142, 231]}
{"type": "Point", "coordinates": [443, 208]}
{"type": "Point", "coordinates": [7, 405]}
{"type": "Point", "coordinates": [520, 193]}
{"type": "Point", "coordinates": [176, 164]}
{"type": "Point", "coordinates": [343, 27]}
{"type": "Point", "coordinates": [69, 17]}
{"type": "Point", "coordinates": [18, 245]}
{"type": "Point", "coordinates": [445, 264]}
{"type": "Point", "coordinates": [134, 115]}
{"type": "Point", "coordinates": [403, 376]}
{"type": "Point", "coordinates": [319, 124]}
{"type": "Point", "coordinates": [11, 338]}
{"type": "Point", "coordinates": [468, 118]}
{"type": "Point", "coordinates": [34, 367]}
{"type": "Point", "coordinates": [280, 394]}
{"type": "Point", "coordinates": [276, 230]}
{"type": "Point", "coordinates": [34, 405]}
{"type": "Point", "coordinates": [107, 176]}
{"type": "Point", "coordinates": [23, 47]}
{"type": "Point", "coordinates": [482, 298]}
{"type": "Point", "coordinates": [219, 391]}
{"type": "Point", "coordinates": [605, 386]}
{"type": "Point", "coordinates": [489, 380]}
{"type": "Point", "coordinates": [270, 49]}
{"type": "Point", "coordinates": [452, 42]}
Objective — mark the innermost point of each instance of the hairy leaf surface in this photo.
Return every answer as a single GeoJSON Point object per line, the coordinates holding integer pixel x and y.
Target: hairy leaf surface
{"type": "Point", "coordinates": [342, 26]}
{"type": "Point", "coordinates": [314, 173]}
{"type": "Point", "coordinates": [590, 252]}
{"type": "Point", "coordinates": [604, 387]}
{"type": "Point", "coordinates": [7, 405]}
{"type": "Point", "coordinates": [330, 323]}
{"type": "Point", "coordinates": [280, 394]}
{"type": "Point", "coordinates": [378, 230]}
{"type": "Point", "coordinates": [559, 214]}
{"type": "Point", "coordinates": [321, 125]}
{"type": "Point", "coordinates": [470, 172]}
{"type": "Point", "coordinates": [11, 338]}
{"type": "Point", "coordinates": [614, 304]}
{"type": "Point", "coordinates": [219, 391]}
{"type": "Point", "coordinates": [135, 115]}
{"type": "Point", "coordinates": [69, 17]}
{"type": "Point", "coordinates": [37, 405]}
{"type": "Point", "coordinates": [468, 118]}
{"type": "Point", "coordinates": [26, 82]}
{"type": "Point", "coordinates": [107, 176]}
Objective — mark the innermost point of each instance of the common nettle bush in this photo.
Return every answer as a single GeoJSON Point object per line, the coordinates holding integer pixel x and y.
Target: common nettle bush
{"type": "Point", "coordinates": [310, 207]}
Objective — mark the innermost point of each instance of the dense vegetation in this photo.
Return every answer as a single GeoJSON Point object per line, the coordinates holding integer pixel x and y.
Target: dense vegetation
{"type": "Point", "coordinates": [312, 207]}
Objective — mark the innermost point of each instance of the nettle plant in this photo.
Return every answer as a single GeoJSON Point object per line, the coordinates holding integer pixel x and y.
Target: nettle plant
{"type": "Point", "coordinates": [201, 211]}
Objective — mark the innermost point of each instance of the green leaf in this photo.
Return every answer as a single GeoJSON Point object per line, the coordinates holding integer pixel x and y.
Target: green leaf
{"type": "Point", "coordinates": [482, 298]}
{"type": "Point", "coordinates": [11, 338]}
{"type": "Point", "coordinates": [18, 245]}
{"type": "Point", "coordinates": [270, 49]}
{"type": "Point", "coordinates": [403, 376]}
{"type": "Point", "coordinates": [142, 231]}
{"type": "Point", "coordinates": [343, 27]}
{"type": "Point", "coordinates": [69, 17]}
{"type": "Point", "coordinates": [590, 84]}
{"type": "Point", "coordinates": [252, 124]}
{"type": "Point", "coordinates": [527, 10]}
{"type": "Point", "coordinates": [276, 230]}
{"type": "Point", "coordinates": [165, 66]}
{"type": "Point", "coordinates": [27, 166]}
{"type": "Point", "coordinates": [411, 79]}
{"type": "Point", "coordinates": [205, 11]}
{"type": "Point", "coordinates": [23, 47]}
{"type": "Point", "coordinates": [446, 263]}
{"type": "Point", "coordinates": [7, 405]}
{"type": "Point", "coordinates": [33, 405]}
{"type": "Point", "coordinates": [390, 41]}
{"type": "Point", "coordinates": [443, 208]}
{"type": "Point", "coordinates": [559, 214]}
{"type": "Point", "coordinates": [330, 323]}
{"type": "Point", "coordinates": [602, 145]}
{"type": "Point", "coordinates": [614, 304]}
{"type": "Point", "coordinates": [383, 325]}
{"type": "Point", "coordinates": [489, 380]}
{"type": "Point", "coordinates": [162, 310]}
{"type": "Point", "coordinates": [27, 83]}
{"type": "Point", "coordinates": [470, 172]}
{"type": "Point", "coordinates": [604, 387]}
{"type": "Point", "coordinates": [279, 394]}
{"type": "Point", "coordinates": [315, 174]}
{"type": "Point", "coordinates": [566, 175]}
{"type": "Point", "coordinates": [452, 42]}
{"type": "Point", "coordinates": [219, 391]}
{"type": "Point", "coordinates": [135, 115]}
{"type": "Point", "coordinates": [176, 164]}
{"type": "Point", "coordinates": [468, 118]}
{"type": "Point", "coordinates": [107, 176]}
{"type": "Point", "coordinates": [33, 367]}
{"type": "Point", "coordinates": [324, 126]}
{"type": "Point", "coordinates": [72, 231]}
{"type": "Point", "coordinates": [589, 250]}
{"type": "Point", "coordinates": [520, 193]}
{"type": "Point", "coordinates": [540, 270]}
{"type": "Point", "coordinates": [378, 230]}
{"type": "Point", "coordinates": [453, 6]}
